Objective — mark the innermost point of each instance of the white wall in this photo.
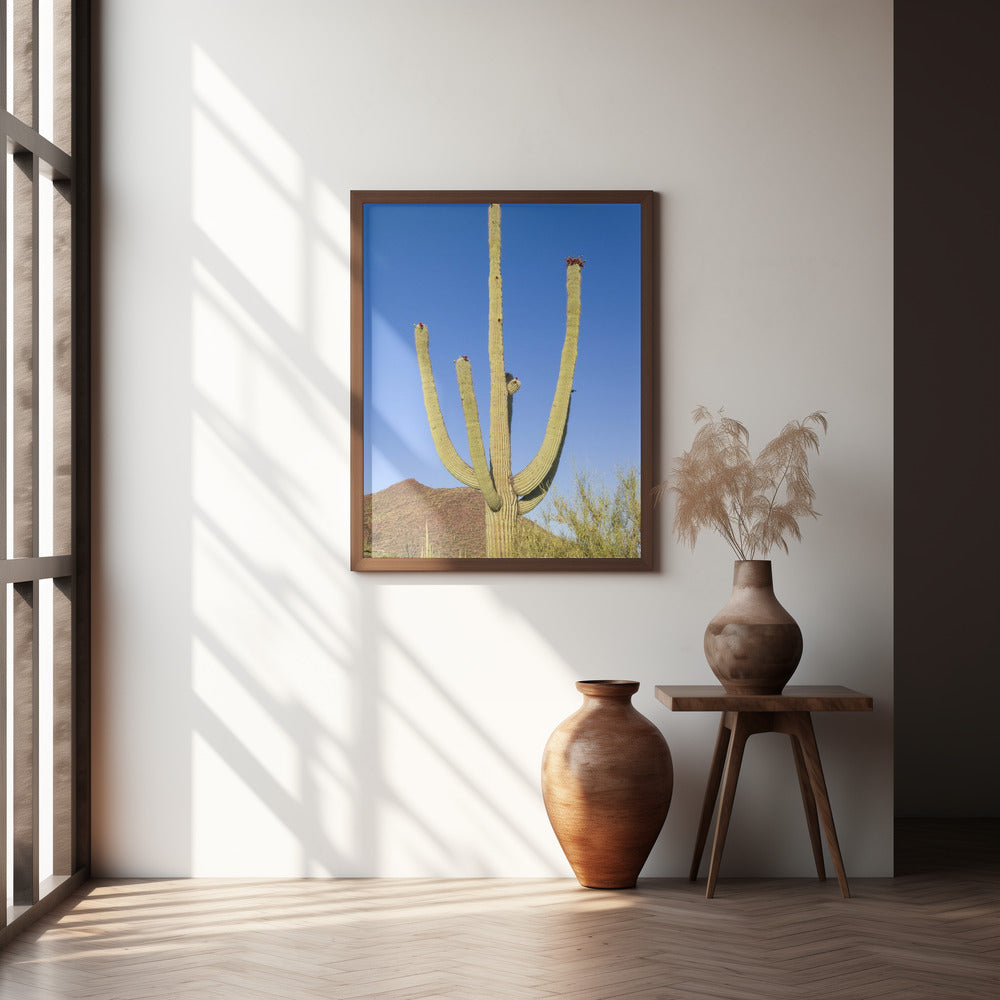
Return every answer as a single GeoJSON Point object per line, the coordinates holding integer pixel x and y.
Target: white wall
{"type": "Point", "coordinates": [259, 710]}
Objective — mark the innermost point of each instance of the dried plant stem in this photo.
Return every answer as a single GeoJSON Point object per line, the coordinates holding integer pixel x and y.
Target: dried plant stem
{"type": "Point", "coordinates": [727, 532]}
{"type": "Point", "coordinates": [753, 503]}
{"type": "Point", "coordinates": [770, 505]}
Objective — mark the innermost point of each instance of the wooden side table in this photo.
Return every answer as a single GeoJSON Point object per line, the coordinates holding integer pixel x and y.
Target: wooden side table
{"type": "Point", "coordinates": [744, 715]}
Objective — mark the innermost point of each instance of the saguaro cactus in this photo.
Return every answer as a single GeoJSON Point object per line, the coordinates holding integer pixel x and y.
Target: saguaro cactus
{"type": "Point", "coordinates": [507, 495]}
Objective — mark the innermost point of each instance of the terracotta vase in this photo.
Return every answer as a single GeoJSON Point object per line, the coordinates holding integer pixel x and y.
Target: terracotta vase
{"type": "Point", "coordinates": [607, 778]}
{"type": "Point", "coordinates": [753, 644]}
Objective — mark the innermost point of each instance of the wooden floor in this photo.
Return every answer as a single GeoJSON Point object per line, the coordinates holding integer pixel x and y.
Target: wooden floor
{"type": "Point", "coordinates": [932, 932]}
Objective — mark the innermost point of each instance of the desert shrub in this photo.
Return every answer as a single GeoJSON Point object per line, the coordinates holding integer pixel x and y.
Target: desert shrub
{"type": "Point", "coordinates": [595, 520]}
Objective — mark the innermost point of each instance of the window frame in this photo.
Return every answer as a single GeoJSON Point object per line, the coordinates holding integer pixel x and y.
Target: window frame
{"type": "Point", "coordinates": [23, 568]}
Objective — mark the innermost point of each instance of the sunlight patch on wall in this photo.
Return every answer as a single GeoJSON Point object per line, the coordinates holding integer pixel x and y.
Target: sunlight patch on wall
{"type": "Point", "coordinates": [263, 464]}
{"type": "Point", "coordinates": [329, 285]}
{"type": "Point", "coordinates": [268, 697]}
{"type": "Point", "coordinates": [449, 748]}
{"type": "Point", "coordinates": [265, 844]}
{"type": "Point", "coordinates": [247, 189]}
{"type": "Point", "coordinates": [272, 696]}
{"type": "Point", "coordinates": [215, 91]}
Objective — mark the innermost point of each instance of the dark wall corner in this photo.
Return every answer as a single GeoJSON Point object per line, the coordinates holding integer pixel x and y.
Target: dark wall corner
{"type": "Point", "coordinates": [947, 420]}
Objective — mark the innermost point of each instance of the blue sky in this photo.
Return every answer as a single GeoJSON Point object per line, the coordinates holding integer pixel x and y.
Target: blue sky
{"type": "Point", "coordinates": [429, 263]}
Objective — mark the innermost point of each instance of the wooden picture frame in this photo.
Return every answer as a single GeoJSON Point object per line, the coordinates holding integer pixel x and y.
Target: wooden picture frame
{"type": "Point", "coordinates": [548, 294]}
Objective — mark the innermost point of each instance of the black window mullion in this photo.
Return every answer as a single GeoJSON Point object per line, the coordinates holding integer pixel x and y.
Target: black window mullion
{"type": "Point", "coordinates": [25, 744]}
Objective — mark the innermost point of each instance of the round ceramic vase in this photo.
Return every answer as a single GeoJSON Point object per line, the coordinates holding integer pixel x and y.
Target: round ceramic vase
{"type": "Point", "coordinates": [753, 645]}
{"type": "Point", "coordinates": [607, 778]}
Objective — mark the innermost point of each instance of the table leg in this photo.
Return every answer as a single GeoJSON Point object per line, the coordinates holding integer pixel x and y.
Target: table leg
{"type": "Point", "coordinates": [802, 723]}
{"type": "Point", "coordinates": [741, 730]}
{"type": "Point", "coordinates": [711, 794]}
{"type": "Point", "coordinates": [809, 804]}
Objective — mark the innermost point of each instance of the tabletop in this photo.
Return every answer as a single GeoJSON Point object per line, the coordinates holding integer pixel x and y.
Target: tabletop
{"type": "Point", "coordinates": [794, 698]}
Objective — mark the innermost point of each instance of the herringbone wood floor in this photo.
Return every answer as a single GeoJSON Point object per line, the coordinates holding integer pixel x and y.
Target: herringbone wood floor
{"type": "Point", "coordinates": [932, 932]}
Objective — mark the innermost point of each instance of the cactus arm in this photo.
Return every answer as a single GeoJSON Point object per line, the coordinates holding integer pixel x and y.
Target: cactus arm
{"type": "Point", "coordinates": [484, 479]}
{"type": "Point", "coordinates": [538, 494]}
{"type": "Point", "coordinates": [450, 458]}
{"type": "Point", "coordinates": [534, 498]}
{"type": "Point", "coordinates": [543, 465]}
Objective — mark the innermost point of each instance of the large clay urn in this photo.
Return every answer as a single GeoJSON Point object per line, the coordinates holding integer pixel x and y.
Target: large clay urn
{"type": "Point", "coordinates": [607, 778]}
{"type": "Point", "coordinates": [753, 644]}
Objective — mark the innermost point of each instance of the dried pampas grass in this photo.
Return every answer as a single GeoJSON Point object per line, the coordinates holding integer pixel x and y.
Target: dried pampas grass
{"type": "Point", "coordinates": [754, 504]}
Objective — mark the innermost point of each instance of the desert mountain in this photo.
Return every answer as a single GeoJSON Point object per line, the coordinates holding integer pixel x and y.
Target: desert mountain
{"type": "Point", "coordinates": [410, 520]}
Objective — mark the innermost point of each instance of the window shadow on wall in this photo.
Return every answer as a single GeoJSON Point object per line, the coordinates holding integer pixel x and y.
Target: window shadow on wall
{"type": "Point", "coordinates": [292, 702]}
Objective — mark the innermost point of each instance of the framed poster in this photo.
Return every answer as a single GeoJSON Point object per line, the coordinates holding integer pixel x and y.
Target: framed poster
{"type": "Point", "coordinates": [502, 380]}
